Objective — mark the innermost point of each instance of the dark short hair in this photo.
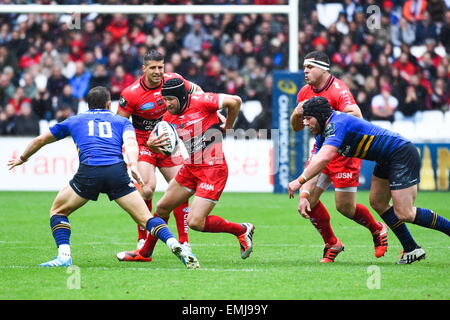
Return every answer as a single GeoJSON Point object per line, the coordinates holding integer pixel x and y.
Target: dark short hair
{"type": "Point", "coordinates": [97, 98]}
{"type": "Point", "coordinates": [153, 55]}
{"type": "Point", "coordinates": [319, 56]}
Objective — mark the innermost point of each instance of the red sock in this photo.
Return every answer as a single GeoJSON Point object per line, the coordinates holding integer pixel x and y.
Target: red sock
{"type": "Point", "coordinates": [180, 213]}
{"type": "Point", "coordinates": [364, 218]}
{"type": "Point", "coordinates": [320, 218]}
{"type": "Point", "coordinates": [142, 232]}
{"type": "Point", "coordinates": [217, 224]}
{"type": "Point", "coordinates": [150, 243]}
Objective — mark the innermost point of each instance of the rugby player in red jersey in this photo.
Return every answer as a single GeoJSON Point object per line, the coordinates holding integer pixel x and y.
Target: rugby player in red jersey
{"type": "Point", "coordinates": [204, 172]}
{"type": "Point", "coordinates": [142, 101]}
{"type": "Point", "coordinates": [342, 172]}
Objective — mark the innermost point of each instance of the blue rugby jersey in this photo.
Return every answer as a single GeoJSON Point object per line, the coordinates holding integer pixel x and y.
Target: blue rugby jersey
{"type": "Point", "coordinates": [358, 138]}
{"type": "Point", "coordinates": [98, 135]}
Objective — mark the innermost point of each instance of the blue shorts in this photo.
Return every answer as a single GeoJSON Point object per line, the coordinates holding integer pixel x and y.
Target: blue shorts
{"type": "Point", "coordinates": [90, 181]}
{"type": "Point", "coordinates": [402, 169]}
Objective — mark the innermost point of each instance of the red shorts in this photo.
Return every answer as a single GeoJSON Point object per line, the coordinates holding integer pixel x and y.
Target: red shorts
{"type": "Point", "coordinates": [207, 181]}
{"type": "Point", "coordinates": [343, 171]}
{"type": "Point", "coordinates": [159, 160]}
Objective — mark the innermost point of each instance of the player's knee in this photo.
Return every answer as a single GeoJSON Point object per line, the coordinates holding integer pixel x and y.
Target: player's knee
{"type": "Point", "coordinates": [404, 214]}
{"type": "Point", "coordinates": [162, 210]}
{"type": "Point", "coordinates": [378, 206]}
{"type": "Point", "coordinates": [196, 223]}
{"type": "Point", "coordinates": [347, 208]}
{"type": "Point", "coordinates": [147, 192]}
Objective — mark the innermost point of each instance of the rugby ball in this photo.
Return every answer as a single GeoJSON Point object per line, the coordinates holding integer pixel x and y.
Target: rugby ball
{"type": "Point", "coordinates": [163, 127]}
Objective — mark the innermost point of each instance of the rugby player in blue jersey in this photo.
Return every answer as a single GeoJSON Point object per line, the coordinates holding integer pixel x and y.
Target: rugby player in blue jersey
{"type": "Point", "coordinates": [99, 135]}
{"type": "Point", "coordinates": [395, 176]}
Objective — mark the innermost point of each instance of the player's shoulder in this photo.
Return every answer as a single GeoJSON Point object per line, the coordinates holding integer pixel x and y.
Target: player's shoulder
{"type": "Point", "coordinates": [132, 88]}
{"type": "Point", "coordinates": [304, 92]}
{"type": "Point", "coordinates": [172, 75]}
{"type": "Point", "coordinates": [339, 84]}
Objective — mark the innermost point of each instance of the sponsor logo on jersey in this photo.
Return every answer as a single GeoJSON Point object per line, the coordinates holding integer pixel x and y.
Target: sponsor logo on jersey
{"type": "Point", "coordinates": [344, 175]}
{"type": "Point", "coordinates": [122, 102]}
{"type": "Point", "coordinates": [147, 106]}
{"type": "Point", "coordinates": [329, 130]}
{"type": "Point", "coordinates": [206, 186]}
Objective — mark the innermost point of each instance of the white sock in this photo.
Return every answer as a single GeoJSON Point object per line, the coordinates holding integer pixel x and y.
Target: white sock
{"type": "Point", "coordinates": [64, 251]}
{"type": "Point", "coordinates": [172, 242]}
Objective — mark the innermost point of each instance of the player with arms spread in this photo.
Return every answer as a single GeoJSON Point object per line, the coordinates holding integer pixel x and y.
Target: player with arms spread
{"type": "Point", "coordinates": [342, 172]}
{"type": "Point", "coordinates": [142, 101]}
{"type": "Point", "coordinates": [204, 172]}
{"type": "Point", "coordinates": [99, 136]}
{"type": "Point", "coordinates": [396, 174]}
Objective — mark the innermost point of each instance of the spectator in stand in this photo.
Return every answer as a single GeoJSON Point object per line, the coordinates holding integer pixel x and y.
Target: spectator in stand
{"type": "Point", "coordinates": [18, 99]}
{"type": "Point", "coordinates": [66, 104]}
{"type": "Point", "coordinates": [427, 66]}
{"type": "Point", "coordinates": [227, 58]}
{"type": "Point", "coordinates": [444, 36]}
{"type": "Point", "coordinates": [80, 81]}
{"type": "Point", "coordinates": [42, 105]}
{"type": "Point", "coordinates": [27, 123]}
{"type": "Point", "coordinates": [31, 57]}
{"type": "Point", "coordinates": [425, 29]}
{"type": "Point", "coordinates": [384, 105]}
{"type": "Point", "coordinates": [414, 10]}
{"type": "Point", "coordinates": [406, 68]}
{"type": "Point", "coordinates": [399, 85]}
{"type": "Point", "coordinates": [411, 103]}
{"type": "Point", "coordinates": [194, 39]}
{"type": "Point", "coordinates": [56, 82]}
{"type": "Point", "coordinates": [119, 81]}
{"type": "Point", "coordinates": [100, 77]}
{"type": "Point", "coordinates": [403, 33]}
{"type": "Point", "coordinates": [436, 9]}
{"type": "Point", "coordinates": [423, 96]}
{"type": "Point", "coordinates": [8, 121]}
{"type": "Point", "coordinates": [7, 89]}
{"type": "Point", "coordinates": [69, 67]}
{"type": "Point", "coordinates": [28, 85]}
{"type": "Point", "coordinates": [118, 27]}
{"type": "Point", "coordinates": [7, 58]}
{"type": "Point", "coordinates": [440, 99]}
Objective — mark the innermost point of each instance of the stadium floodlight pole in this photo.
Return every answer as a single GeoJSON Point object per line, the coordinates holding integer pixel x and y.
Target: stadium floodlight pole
{"type": "Point", "coordinates": [291, 10]}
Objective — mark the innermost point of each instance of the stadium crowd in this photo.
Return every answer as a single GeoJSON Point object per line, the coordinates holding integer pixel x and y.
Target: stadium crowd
{"type": "Point", "coordinates": [394, 70]}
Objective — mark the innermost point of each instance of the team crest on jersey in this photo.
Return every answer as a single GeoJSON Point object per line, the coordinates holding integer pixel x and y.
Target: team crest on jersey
{"type": "Point", "coordinates": [147, 106]}
{"type": "Point", "coordinates": [122, 102]}
{"type": "Point", "coordinates": [159, 102]}
{"type": "Point", "coordinates": [329, 131]}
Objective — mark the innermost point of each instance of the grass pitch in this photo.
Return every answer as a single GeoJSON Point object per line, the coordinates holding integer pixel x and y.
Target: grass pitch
{"type": "Point", "coordinates": [283, 266]}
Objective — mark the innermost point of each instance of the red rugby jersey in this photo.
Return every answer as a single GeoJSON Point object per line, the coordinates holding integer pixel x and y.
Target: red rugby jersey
{"type": "Point", "coordinates": [146, 105]}
{"type": "Point", "coordinates": [334, 90]}
{"type": "Point", "coordinates": [199, 128]}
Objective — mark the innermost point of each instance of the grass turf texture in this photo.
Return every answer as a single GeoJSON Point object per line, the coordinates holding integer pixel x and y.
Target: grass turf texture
{"type": "Point", "coordinates": [283, 265]}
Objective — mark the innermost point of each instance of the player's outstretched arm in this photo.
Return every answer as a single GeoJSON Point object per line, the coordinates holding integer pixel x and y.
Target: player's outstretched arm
{"type": "Point", "coordinates": [317, 164]}
{"type": "Point", "coordinates": [33, 147]}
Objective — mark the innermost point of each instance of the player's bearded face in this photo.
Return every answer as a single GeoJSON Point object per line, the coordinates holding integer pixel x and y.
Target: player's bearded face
{"type": "Point", "coordinates": [312, 124]}
{"type": "Point", "coordinates": [154, 71]}
{"type": "Point", "coordinates": [172, 104]}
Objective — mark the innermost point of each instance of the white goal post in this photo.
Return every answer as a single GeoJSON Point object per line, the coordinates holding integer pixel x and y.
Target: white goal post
{"type": "Point", "coordinates": [291, 10]}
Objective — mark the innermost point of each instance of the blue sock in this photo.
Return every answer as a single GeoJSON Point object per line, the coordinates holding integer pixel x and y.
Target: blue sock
{"type": "Point", "coordinates": [400, 230]}
{"type": "Point", "coordinates": [158, 228]}
{"type": "Point", "coordinates": [429, 219]}
{"type": "Point", "coordinates": [61, 229]}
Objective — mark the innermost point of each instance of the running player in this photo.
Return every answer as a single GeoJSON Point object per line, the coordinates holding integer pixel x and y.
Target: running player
{"type": "Point", "coordinates": [142, 101]}
{"type": "Point", "coordinates": [395, 176]}
{"type": "Point", "coordinates": [342, 172]}
{"type": "Point", "coordinates": [204, 172]}
{"type": "Point", "coordinates": [99, 136]}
